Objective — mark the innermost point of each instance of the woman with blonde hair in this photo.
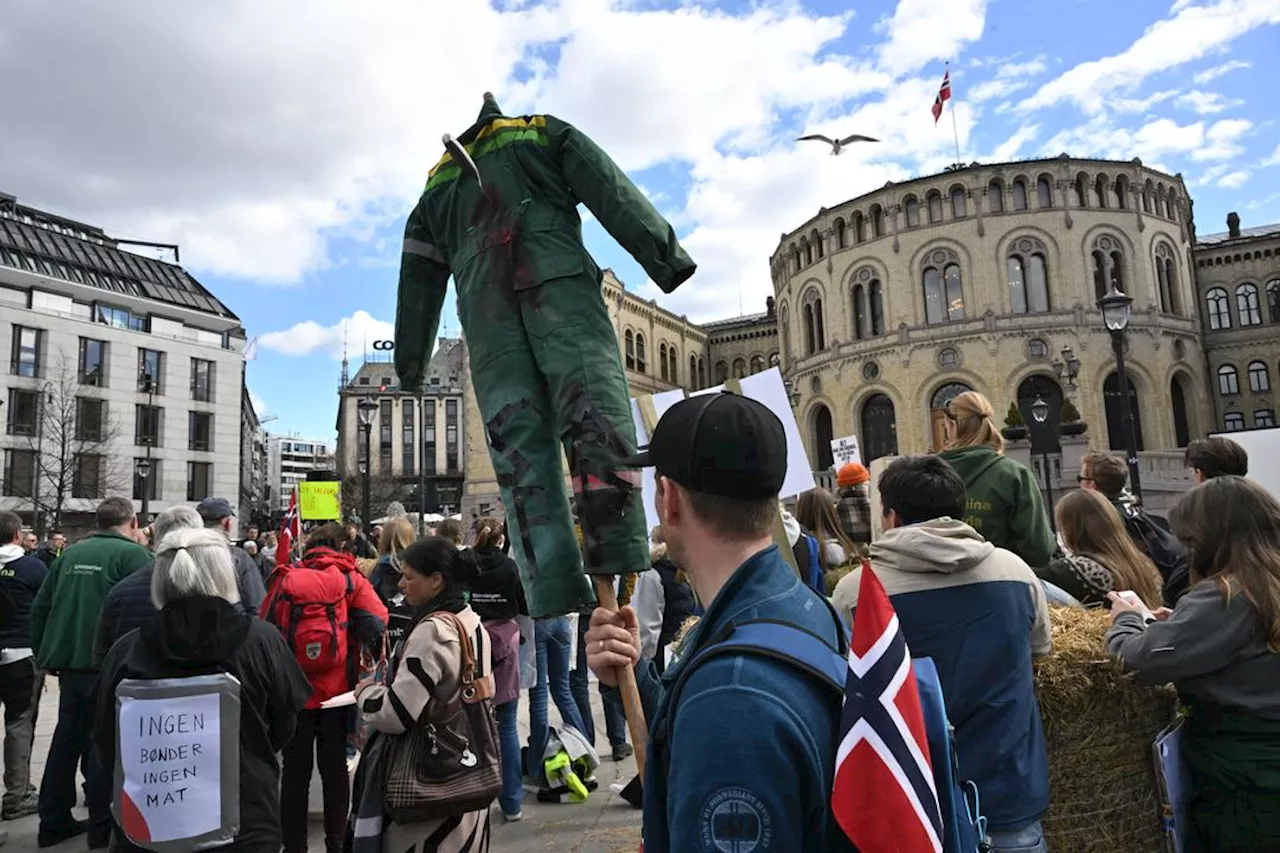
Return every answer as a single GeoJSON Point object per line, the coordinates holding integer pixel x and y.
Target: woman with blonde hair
{"type": "Point", "coordinates": [397, 536]}
{"type": "Point", "coordinates": [1102, 557]}
{"type": "Point", "coordinates": [1220, 646]}
{"type": "Point", "coordinates": [1005, 505]}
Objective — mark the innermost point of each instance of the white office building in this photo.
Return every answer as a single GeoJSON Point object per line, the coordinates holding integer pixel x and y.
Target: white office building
{"type": "Point", "coordinates": [289, 460]}
{"type": "Point", "coordinates": [124, 377]}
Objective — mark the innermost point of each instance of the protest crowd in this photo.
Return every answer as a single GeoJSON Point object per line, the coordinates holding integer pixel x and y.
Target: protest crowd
{"type": "Point", "coordinates": [857, 674]}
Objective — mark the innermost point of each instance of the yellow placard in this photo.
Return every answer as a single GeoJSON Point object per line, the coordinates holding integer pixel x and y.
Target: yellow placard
{"type": "Point", "coordinates": [319, 501]}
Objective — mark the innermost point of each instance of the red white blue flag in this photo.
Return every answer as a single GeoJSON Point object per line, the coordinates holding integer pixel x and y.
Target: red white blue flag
{"type": "Point", "coordinates": [290, 532]}
{"type": "Point", "coordinates": [944, 95]}
{"type": "Point", "coordinates": [884, 796]}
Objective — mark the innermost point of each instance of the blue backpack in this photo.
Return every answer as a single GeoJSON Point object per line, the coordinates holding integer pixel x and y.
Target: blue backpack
{"type": "Point", "coordinates": [964, 828]}
{"type": "Point", "coordinates": [815, 580]}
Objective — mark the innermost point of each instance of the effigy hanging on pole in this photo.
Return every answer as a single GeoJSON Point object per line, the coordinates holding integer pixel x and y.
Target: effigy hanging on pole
{"type": "Point", "coordinates": [499, 214]}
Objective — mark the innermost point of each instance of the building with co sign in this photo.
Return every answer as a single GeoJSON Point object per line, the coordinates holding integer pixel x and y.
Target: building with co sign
{"type": "Point", "coordinates": [124, 377]}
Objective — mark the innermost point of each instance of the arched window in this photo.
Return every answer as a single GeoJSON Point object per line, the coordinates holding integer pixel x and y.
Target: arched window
{"type": "Point", "coordinates": [841, 234]}
{"type": "Point", "coordinates": [1019, 194]}
{"type": "Point", "coordinates": [877, 308]}
{"type": "Point", "coordinates": [1148, 197]}
{"type": "Point", "coordinates": [859, 227]}
{"type": "Point", "coordinates": [935, 206]}
{"type": "Point", "coordinates": [795, 258]}
{"type": "Point", "coordinates": [1171, 206]}
{"type": "Point", "coordinates": [1273, 300]}
{"type": "Point", "coordinates": [912, 211]}
{"type": "Point", "coordinates": [775, 360]}
{"type": "Point", "coordinates": [943, 293]}
{"type": "Point", "coordinates": [1028, 277]}
{"type": "Point", "coordinates": [995, 197]}
{"type": "Point", "coordinates": [1228, 381]}
{"type": "Point", "coordinates": [756, 365]}
{"type": "Point", "coordinates": [1113, 403]}
{"type": "Point", "coordinates": [722, 372]}
{"type": "Point", "coordinates": [823, 433]}
{"type": "Point", "coordinates": [816, 239]}
{"type": "Point", "coordinates": [1160, 206]}
{"type": "Point", "coordinates": [1247, 305]}
{"type": "Point", "coordinates": [1122, 195]}
{"type": "Point", "coordinates": [877, 221]}
{"type": "Point", "coordinates": [807, 248]}
{"type": "Point", "coordinates": [1081, 190]}
{"type": "Point", "coordinates": [642, 363]}
{"type": "Point", "coordinates": [1108, 266]}
{"type": "Point", "coordinates": [1167, 279]}
{"type": "Point", "coordinates": [959, 208]}
{"type": "Point", "coordinates": [1233, 421]}
{"type": "Point", "coordinates": [861, 313]}
{"type": "Point", "coordinates": [879, 429]}
{"type": "Point", "coordinates": [673, 364]}
{"type": "Point", "coordinates": [662, 362]}
{"type": "Point", "coordinates": [784, 329]}
{"type": "Point", "coordinates": [1259, 377]}
{"type": "Point", "coordinates": [630, 339]}
{"type": "Point", "coordinates": [815, 339]}
{"type": "Point", "coordinates": [702, 374]}
{"type": "Point", "coordinates": [739, 368]}
{"type": "Point", "coordinates": [1178, 398]}
{"type": "Point", "coordinates": [1100, 190]}
{"type": "Point", "coordinates": [868, 310]}
{"type": "Point", "coordinates": [1219, 308]}
{"type": "Point", "coordinates": [693, 373]}
{"type": "Point", "coordinates": [1044, 193]}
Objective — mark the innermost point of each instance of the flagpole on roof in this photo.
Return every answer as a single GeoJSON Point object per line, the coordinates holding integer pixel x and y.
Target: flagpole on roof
{"type": "Point", "coordinates": [954, 129]}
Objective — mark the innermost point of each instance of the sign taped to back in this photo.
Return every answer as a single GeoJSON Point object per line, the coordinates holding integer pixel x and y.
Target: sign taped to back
{"type": "Point", "coordinates": [767, 388]}
{"type": "Point", "coordinates": [177, 774]}
{"type": "Point", "coordinates": [845, 450]}
{"type": "Point", "coordinates": [320, 501]}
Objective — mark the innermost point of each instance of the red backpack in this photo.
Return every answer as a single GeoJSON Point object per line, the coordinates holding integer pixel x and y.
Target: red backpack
{"type": "Point", "coordinates": [311, 612]}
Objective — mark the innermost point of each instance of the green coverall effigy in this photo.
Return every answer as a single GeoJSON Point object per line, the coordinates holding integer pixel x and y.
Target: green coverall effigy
{"type": "Point", "coordinates": [545, 364]}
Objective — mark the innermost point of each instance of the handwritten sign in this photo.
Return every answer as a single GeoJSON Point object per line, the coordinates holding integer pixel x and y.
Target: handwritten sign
{"type": "Point", "coordinates": [177, 765]}
{"type": "Point", "coordinates": [319, 501]}
{"type": "Point", "coordinates": [845, 450]}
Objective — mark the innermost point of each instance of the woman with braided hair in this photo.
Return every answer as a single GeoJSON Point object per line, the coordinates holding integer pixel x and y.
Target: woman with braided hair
{"type": "Point", "coordinates": [1004, 498]}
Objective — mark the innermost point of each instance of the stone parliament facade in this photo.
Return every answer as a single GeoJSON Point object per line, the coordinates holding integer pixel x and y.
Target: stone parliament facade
{"type": "Point", "coordinates": [985, 277]}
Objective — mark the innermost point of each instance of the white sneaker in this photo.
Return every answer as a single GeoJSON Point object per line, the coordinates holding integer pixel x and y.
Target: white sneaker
{"type": "Point", "coordinates": [512, 818]}
{"type": "Point", "coordinates": [617, 788]}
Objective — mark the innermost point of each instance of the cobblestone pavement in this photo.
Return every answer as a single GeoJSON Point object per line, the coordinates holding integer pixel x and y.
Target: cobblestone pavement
{"type": "Point", "coordinates": [604, 824]}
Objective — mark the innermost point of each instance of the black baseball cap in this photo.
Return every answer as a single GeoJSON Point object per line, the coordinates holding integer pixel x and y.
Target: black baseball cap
{"type": "Point", "coordinates": [719, 444]}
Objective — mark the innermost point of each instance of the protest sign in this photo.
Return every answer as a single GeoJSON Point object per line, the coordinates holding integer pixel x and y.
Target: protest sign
{"type": "Point", "coordinates": [319, 501]}
{"type": "Point", "coordinates": [177, 773]}
{"type": "Point", "coordinates": [845, 450]}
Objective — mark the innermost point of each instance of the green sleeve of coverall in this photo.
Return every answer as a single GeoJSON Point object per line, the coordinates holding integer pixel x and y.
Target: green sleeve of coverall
{"type": "Point", "coordinates": [622, 209]}
{"type": "Point", "coordinates": [424, 280]}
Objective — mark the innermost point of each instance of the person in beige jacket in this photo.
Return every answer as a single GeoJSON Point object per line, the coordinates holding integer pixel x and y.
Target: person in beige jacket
{"type": "Point", "coordinates": [425, 671]}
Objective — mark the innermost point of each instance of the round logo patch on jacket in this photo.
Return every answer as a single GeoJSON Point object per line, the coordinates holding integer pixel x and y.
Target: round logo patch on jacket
{"type": "Point", "coordinates": [735, 821]}
{"type": "Point", "coordinates": [313, 651]}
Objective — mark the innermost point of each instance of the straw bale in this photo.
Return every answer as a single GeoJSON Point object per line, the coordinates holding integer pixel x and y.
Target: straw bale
{"type": "Point", "coordinates": [365, 565]}
{"type": "Point", "coordinates": [1099, 726]}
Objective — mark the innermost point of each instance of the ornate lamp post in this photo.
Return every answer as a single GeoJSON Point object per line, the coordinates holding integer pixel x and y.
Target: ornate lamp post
{"type": "Point", "coordinates": [142, 468]}
{"type": "Point", "coordinates": [1116, 308]}
{"type": "Point", "coordinates": [365, 409]}
{"type": "Point", "coordinates": [1040, 414]}
{"type": "Point", "coordinates": [793, 393]}
{"type": "Point", "coordinates": [1068, 363]}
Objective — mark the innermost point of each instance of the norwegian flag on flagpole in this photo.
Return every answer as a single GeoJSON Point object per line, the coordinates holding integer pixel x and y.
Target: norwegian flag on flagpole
{"type": "Point", "coordinates": [944, 95]}
{"type": "Point", "coordinates": [290, 532]}
{"type": "Point", "coordinates": [883, 797]}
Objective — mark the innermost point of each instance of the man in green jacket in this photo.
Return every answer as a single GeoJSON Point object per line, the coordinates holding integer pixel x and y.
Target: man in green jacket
{"type": "Point", "coordinates": [64, 618]}
{"type": "Point", "coordinates": [499, 214]}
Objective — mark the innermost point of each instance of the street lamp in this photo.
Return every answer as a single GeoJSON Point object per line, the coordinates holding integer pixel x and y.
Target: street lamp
{"type": "Point", "coordinates": [1116, 308]}
{"type": "Point", "coordinates": [365, 409]}
{"type": "Point", "coordinates": [142, 467]}
{"type": "Point", "coordinates": [1070, 364]}
{"type": "Point", "coordinates": [793, 393]}
{"type": "Point", "coordinates": [1040, 414]}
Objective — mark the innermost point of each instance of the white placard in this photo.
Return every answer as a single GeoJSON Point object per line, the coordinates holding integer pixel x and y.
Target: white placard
{"type": "Point", "coordinates": [844, 450]}
{"type": "Point", "coordinates": [766, 388]}
{"type": "Point", "coordinates": [1263, 447]}
{"type": "Point", "coordinates": [171, 754]}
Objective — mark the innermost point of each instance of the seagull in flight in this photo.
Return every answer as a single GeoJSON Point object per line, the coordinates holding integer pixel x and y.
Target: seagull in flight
{"type": "Point", "coordinates": [837, 145]}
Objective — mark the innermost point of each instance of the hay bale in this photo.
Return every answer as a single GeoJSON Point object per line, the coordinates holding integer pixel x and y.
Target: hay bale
{"type": "Point", "coordinates": [1099, 726]}
{"type": "Point", "coordinates": [365, 565]}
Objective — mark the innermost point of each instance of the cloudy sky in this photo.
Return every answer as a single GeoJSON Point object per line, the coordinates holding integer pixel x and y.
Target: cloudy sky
{"type": "Point", "coordinates": [282, 144]}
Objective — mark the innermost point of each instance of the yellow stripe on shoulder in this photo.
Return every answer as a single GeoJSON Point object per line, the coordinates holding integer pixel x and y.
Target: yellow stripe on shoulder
{"type": "Point", "coordinates": [488, 130]}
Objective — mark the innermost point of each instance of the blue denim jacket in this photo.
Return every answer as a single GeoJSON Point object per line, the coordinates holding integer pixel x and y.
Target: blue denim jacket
{"type": "Point", "coordinates": [751, 755]}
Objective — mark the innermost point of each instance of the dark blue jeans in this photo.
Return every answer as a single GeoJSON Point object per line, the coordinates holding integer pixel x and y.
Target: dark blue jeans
{"type": "Point", "coordinates": [615, 718]}
{"type": "Point", "coordinates": [509, 742]}
{"type": "Point", "coordinates": [72, 746]}
{"type": "Point", "coordinates": [552, 641]}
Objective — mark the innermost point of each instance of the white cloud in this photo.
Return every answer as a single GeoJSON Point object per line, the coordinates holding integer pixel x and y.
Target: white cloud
{"type": "Point", "coordinates": [1157, 138]}
{"type": "Point", "coordinates": [1235, 179]}
{"type": "Point", "coordinates": [1207, 103]}
{"type": "Point", "coordinates": [1140, 105]}
{"type": "Point", "coordinates": [992, 89]}
{"type": "Point", "coordinates": [1012, 147]}
{"type": "Point", "coordinates": [1191, 33]}
{"type": "Point", "coordinates": [1221, 140]}
{"type": "Point", "coordinates": [1022, 69]}
{"type": "Point", "coordinates": [1274, 159]}
{"type": "Point", "coordinates": [354, 333]}
{"type": "Point", "coordinates": [924, 31]}
{"type": "Point", "coordinates": [1210, 74]}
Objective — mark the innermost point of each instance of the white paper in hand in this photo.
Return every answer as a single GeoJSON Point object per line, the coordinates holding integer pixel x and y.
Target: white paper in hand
{"type": "Point", "coordinates": [341, 701]}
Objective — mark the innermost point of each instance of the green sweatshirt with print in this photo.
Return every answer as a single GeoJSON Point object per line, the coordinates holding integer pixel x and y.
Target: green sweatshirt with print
{"type": "Point", "coordinates": [1004, 503]}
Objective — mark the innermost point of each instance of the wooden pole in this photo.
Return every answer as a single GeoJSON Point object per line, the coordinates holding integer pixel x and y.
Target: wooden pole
{"type": "Point", "coordinates": [631, 704]}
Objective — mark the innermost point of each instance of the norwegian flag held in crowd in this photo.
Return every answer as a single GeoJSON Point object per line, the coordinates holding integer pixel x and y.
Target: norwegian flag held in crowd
{"type": "Point", "coordinates": [944, 95]}
{"type": "Point", "coordinates": [884, 796]}
{"type": "Point", "coordinates": [289, 532]}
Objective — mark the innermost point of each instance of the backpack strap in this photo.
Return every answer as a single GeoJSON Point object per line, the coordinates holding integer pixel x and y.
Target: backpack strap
{"type": "Point", "coordinates": [815, 562]}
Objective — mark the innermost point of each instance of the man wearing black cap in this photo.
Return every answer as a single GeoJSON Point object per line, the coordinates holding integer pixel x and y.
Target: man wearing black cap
{"type": "Point", "coordinates": [217, 514]}
{"type": "Point", "coordinates": [744, 761]}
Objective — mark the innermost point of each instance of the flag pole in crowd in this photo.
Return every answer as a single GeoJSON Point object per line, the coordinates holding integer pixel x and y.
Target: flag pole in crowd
{"type": "Point", "coordinates": [944, 95]}
{"type": "Point", "coordinates": [289, 532]}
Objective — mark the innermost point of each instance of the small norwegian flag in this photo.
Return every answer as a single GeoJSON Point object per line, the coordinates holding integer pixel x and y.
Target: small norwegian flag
{"type": "Point", "coordinates": [290, 532]}
{"type": "Point", "coordinates": [883, 797]}
{"type": "Point", "coordinates": [944, 95]}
